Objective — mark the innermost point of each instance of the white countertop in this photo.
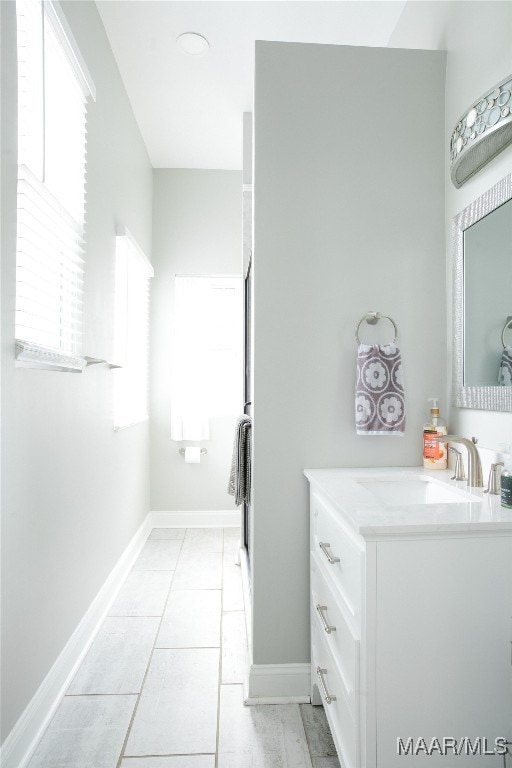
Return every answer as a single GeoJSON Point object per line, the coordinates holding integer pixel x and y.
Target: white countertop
{"type": "Point", "coordinates": [371, 517]}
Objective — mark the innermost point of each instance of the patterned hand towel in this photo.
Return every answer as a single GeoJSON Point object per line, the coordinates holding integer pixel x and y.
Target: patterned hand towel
{"type": "Point", "coordinates": [239, 484]}
{"type": "Point", "coordinates": [380, 405]}
{"type": "Point", "coordinates": [505, 371]}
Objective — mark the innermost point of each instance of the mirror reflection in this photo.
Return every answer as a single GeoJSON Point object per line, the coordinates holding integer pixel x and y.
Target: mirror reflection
{"type": "Point", "coordinates": [488, 299]}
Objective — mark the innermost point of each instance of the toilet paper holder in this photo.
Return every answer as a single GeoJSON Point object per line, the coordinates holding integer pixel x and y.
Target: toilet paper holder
{"type": "Point", "coordinates": [181, 451]}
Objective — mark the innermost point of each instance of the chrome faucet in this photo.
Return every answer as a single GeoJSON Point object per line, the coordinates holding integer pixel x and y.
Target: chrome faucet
{"type": "Point", "coordinates": [459, 473]}
{"type": "Point", "coordinates": [494, 486]}
{"type": "Point", "coordinates": [475, 479]}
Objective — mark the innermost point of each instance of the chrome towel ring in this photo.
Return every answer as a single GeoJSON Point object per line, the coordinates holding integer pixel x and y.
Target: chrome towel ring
{"type": "Point", "coordinates": [372, 318]}
{"type": "Point", "coordinates": [508, 324]}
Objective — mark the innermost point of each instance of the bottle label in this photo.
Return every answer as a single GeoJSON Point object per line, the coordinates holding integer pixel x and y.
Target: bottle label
{"type": "Point", "coordinates": [432, 450]}
{"type": "Point", "coordinates": [506, 491]}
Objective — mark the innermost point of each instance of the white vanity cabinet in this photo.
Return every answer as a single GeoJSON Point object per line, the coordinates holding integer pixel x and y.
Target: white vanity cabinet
{"type": "Point", "coordinates": [411, 626]}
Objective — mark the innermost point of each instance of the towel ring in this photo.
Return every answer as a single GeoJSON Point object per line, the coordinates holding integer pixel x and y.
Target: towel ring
{"type": "Point", "coordinates": [372, 318]}
{"type": "Point", "coordinates": [508, 324]}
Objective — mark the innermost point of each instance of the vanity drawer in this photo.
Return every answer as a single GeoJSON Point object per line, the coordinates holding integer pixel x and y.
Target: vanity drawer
{"type": "Point", "coordinates": [341, 558]}
{"type": "Point", "coordinates": [334, 626]}
{"type": "Point", "coordinates": [344, 727]}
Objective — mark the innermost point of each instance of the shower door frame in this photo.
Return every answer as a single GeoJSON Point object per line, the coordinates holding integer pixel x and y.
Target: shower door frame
{"type": "Point", "coordinates": [246, 508]}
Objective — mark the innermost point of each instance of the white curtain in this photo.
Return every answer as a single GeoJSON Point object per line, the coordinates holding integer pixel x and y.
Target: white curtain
{"type": "Point", "coordinates": [189, 406]}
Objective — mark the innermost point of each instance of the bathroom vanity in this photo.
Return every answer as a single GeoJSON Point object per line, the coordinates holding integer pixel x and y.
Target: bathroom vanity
{"type": "Point", "coordinates": [411, 617]}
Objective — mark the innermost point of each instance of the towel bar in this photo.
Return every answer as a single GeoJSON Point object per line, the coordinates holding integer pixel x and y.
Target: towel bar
{"type": "Point", "coordinates": [372, 318]}
{"type": "Point", "coordinates": [182, 451]}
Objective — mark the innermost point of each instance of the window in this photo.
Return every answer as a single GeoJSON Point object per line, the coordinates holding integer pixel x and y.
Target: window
{"type": "Point", "coordinates": [53, 87]}
{"type": "Point", "coordinates": [131, 332]}
{"type": "Point", "coordinates": [208, 367]}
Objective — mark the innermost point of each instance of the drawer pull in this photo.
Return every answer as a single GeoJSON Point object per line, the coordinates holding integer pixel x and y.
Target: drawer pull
{"type": "Point", "coordinates": [324, 546]}
{"type": "Point", "coordinates": [328, 627]}
{"type": "Point", "coordinates": [329, 697]}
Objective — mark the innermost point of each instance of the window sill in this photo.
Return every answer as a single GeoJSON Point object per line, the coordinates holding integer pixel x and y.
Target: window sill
{"type": "Point", "coordinates": [36, 356]}
{"type": "Point", "coordinates": [119, 428]}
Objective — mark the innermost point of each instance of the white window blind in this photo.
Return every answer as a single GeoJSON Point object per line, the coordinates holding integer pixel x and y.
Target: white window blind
{"type": "Point", "coordinates": [207, 360]}
{"type": "Point", "coordinates": [53, 88]}
{"type": "Point", "coordinates": [131, 333]}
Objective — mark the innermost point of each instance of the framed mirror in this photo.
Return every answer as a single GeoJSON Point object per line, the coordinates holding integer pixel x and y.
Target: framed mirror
{"type": "Point", "coordinates": [482, 301]}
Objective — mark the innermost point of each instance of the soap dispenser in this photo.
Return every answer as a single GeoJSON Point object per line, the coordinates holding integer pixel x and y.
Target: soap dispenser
{"type": "Point", "coordinates": [435, 455]}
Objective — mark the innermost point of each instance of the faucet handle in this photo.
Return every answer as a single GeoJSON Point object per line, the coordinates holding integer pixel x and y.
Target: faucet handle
{"type": "Point", "coordinates": [459, 465]}
{"type": "Point", "coordinates": [494, 484]}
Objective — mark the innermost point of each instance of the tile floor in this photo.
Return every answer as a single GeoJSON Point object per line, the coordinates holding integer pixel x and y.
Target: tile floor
{"type": "Point", "coordinates": [161, 686]}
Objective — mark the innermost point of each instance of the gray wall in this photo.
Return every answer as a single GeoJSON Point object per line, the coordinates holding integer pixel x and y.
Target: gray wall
{"type": "Point", "coordinates": [349, 217]}
{"type": "Point", "coordinates": [197, 230]}
{"type": "Point", "coordinates": [73, 491]}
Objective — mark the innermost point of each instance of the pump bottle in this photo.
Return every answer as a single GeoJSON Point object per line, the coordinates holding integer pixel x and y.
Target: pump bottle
{"type": "Point", "coordinates": [435, 455]}
{"type": "Point", "coordinates": [506, 485]}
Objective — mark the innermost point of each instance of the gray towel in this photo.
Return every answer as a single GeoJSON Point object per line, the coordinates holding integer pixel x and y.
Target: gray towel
{"type": "Point", "coordinates": [505, 371]}
{"type": "Point", "coordinates": [380, 405]}
{"type": "Point", "coordinates": [239, 484]}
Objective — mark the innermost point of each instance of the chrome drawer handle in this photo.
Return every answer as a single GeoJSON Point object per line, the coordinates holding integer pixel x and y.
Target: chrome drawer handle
{"type": "Point", "coordinates": [324, 546]}
{"type": "Point", "coordinates": [329, 697]}
{"type": "Point", "coordinates": [328, 628]}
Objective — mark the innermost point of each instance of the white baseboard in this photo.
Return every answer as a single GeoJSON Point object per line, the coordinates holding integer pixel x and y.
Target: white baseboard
{"type": "Point", "coordinates": [278, 684]}
{"type": "Point", "coordinates": [20, 744]}
{"type": "Point", "coordinates": [271, 683]}
{"type": "Point", "coordinates": [221, 518]}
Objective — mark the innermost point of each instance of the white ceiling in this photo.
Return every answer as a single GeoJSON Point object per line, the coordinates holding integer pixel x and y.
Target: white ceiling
{"type": "Point", "coordinates": [189, 109]}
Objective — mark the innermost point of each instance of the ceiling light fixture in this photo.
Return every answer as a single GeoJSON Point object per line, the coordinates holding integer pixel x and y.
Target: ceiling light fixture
{"type": "Point", "coordinates": [193, 43]}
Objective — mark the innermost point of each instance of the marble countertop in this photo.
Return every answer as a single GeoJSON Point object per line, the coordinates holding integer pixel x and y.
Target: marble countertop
{"type": "Point", "coordinates": [348, 491]}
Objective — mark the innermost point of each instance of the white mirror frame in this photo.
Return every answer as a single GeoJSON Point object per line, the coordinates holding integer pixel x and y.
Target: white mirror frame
{"type": "Point", "coordinates": [483, 398]}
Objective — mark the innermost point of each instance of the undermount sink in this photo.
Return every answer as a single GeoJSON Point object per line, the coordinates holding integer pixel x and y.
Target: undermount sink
{"type": "Point", "coordinates": [399, 491]}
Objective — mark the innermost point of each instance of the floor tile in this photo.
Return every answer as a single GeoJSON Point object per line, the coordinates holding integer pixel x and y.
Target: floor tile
{"type": "Point", "coordinates": [118, 657]}
{"type": "Point", "coordinates": [143, 594]}
{"type": "Point", "coordinates": [158, 555]}
{"type": "Point", "coordinates": [232, 592]}
{"type": "Point", "coordinates": [271, 735]}
{"type": "Point", "coordinates": [191, 620]}
{"type": "Point", "coordinates": [173, 761]}
{"type": "Point", "coordinates": [253, 759]}
{"type": "Point", "coordinates": [232, 531]}
{"type": "Point", "coordinates": [86, 732]}
{"type": "Point", "coordinates": [318, 733]}
{"type": "Point", "coordinates": [175, 723]}
{"type": "Point", "coordinates": [167, 533]}
{"type": "Point", "coordinates": [204, 572]}
{"type": "Point", "coordinates": [177, 712]}
{"type": "Point", "coordinates": [203, 540]}
{"type": "Point", "coordinates": [234, 647]}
